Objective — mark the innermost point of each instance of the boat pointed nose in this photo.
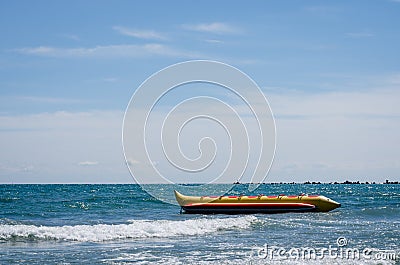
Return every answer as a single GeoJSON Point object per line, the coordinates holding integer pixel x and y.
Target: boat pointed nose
{"type": "Point", "coordinates": [335, 204]}
{"type": "Point", "coordinates": [328, 204]}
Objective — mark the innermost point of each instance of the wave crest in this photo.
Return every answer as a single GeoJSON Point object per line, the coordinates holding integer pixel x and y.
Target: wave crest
{"type": "Point", "coordinates": [135, 229]}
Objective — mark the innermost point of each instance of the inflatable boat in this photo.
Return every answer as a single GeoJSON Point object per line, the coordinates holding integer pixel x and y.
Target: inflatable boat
{"type": "Point", "coordinates": [254, 204]}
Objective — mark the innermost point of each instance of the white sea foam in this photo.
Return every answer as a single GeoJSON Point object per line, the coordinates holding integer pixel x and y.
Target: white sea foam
{"type": "Point", "coordinates": [135, 229]}
{"type": "Point", "coordinates": [232, 259]}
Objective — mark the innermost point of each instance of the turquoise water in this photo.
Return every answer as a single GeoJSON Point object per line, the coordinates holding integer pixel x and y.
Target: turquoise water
{"type": "Point", "coordinates": [121, 224]}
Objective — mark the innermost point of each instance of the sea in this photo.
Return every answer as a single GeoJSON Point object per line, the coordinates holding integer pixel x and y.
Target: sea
{"type": "Point", "coordinates": [122, 224]}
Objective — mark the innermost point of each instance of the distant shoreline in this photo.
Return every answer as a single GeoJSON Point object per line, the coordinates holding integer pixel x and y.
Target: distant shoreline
{"type": "Point", "coordinates": [333, 183]}
{"type": "Point", "coordinates": [347, 182]}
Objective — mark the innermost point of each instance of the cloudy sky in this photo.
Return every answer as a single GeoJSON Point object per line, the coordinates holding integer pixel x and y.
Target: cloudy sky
{"type": "Point", "coordinates": [329, 69]}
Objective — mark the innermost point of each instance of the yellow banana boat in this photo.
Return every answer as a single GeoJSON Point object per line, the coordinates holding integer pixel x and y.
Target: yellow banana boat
{"type": "Point", "coordinates": [254, 204]}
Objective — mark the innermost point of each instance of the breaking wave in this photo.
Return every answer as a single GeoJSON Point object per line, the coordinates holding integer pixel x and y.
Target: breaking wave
{"type": "Point", "coordinates": [133, 230]}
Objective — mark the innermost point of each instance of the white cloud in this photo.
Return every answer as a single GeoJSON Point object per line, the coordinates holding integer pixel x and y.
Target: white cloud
{"type": "Point", "coordinates": [110, 79]}
{"type": "Point", "coordinates": [71, 37]}
{"type": "Point", "coordinates": [214, 41]}
{"type": "Point", "coordinates": [335, 135]}
{"type": "Point", "coordinates": [324, 136]}
{"type": "Point", "coordinates": [140, 34]}
{"type": "Point", "coordinates": [320, 136]}
{"type": "Point", "coordinates": [132, 161]}
{"type": "Point", "coordinates": [361, 34]}
{"type": "Point", "coordinates": [109, 51]}
{"type": "Point", "coordinates": [49, 100]}
{"type": "Point", "coordinates": [16, 168]}
{"type": "Point", "coordinates": [215, 27]}
{"type": "Point", "coordinates": [350, 105]}
{"type": "Point", "coordinates": [322, 10]}
{"type": "Point", "coordinates": [47, 148]}
{"type": "Point", "coordinates": [88, 163]}
{"type": "Point", "coordinates": [393, 79]}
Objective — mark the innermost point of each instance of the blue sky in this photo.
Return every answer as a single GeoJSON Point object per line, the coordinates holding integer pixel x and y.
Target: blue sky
{"type": "Point", "coordinates": [330, 70]}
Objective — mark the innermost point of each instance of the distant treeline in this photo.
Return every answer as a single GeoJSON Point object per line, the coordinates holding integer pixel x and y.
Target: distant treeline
{"type": "Point", "coordinates": [318, 182]}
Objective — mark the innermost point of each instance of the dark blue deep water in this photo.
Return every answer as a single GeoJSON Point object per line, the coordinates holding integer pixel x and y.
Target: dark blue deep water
{"type": "Point", "coordinates": [121, 224]}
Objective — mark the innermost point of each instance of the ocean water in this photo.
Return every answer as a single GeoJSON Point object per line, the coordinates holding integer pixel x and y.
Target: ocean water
{"type": "Point", "coordinates": [121, 224]}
